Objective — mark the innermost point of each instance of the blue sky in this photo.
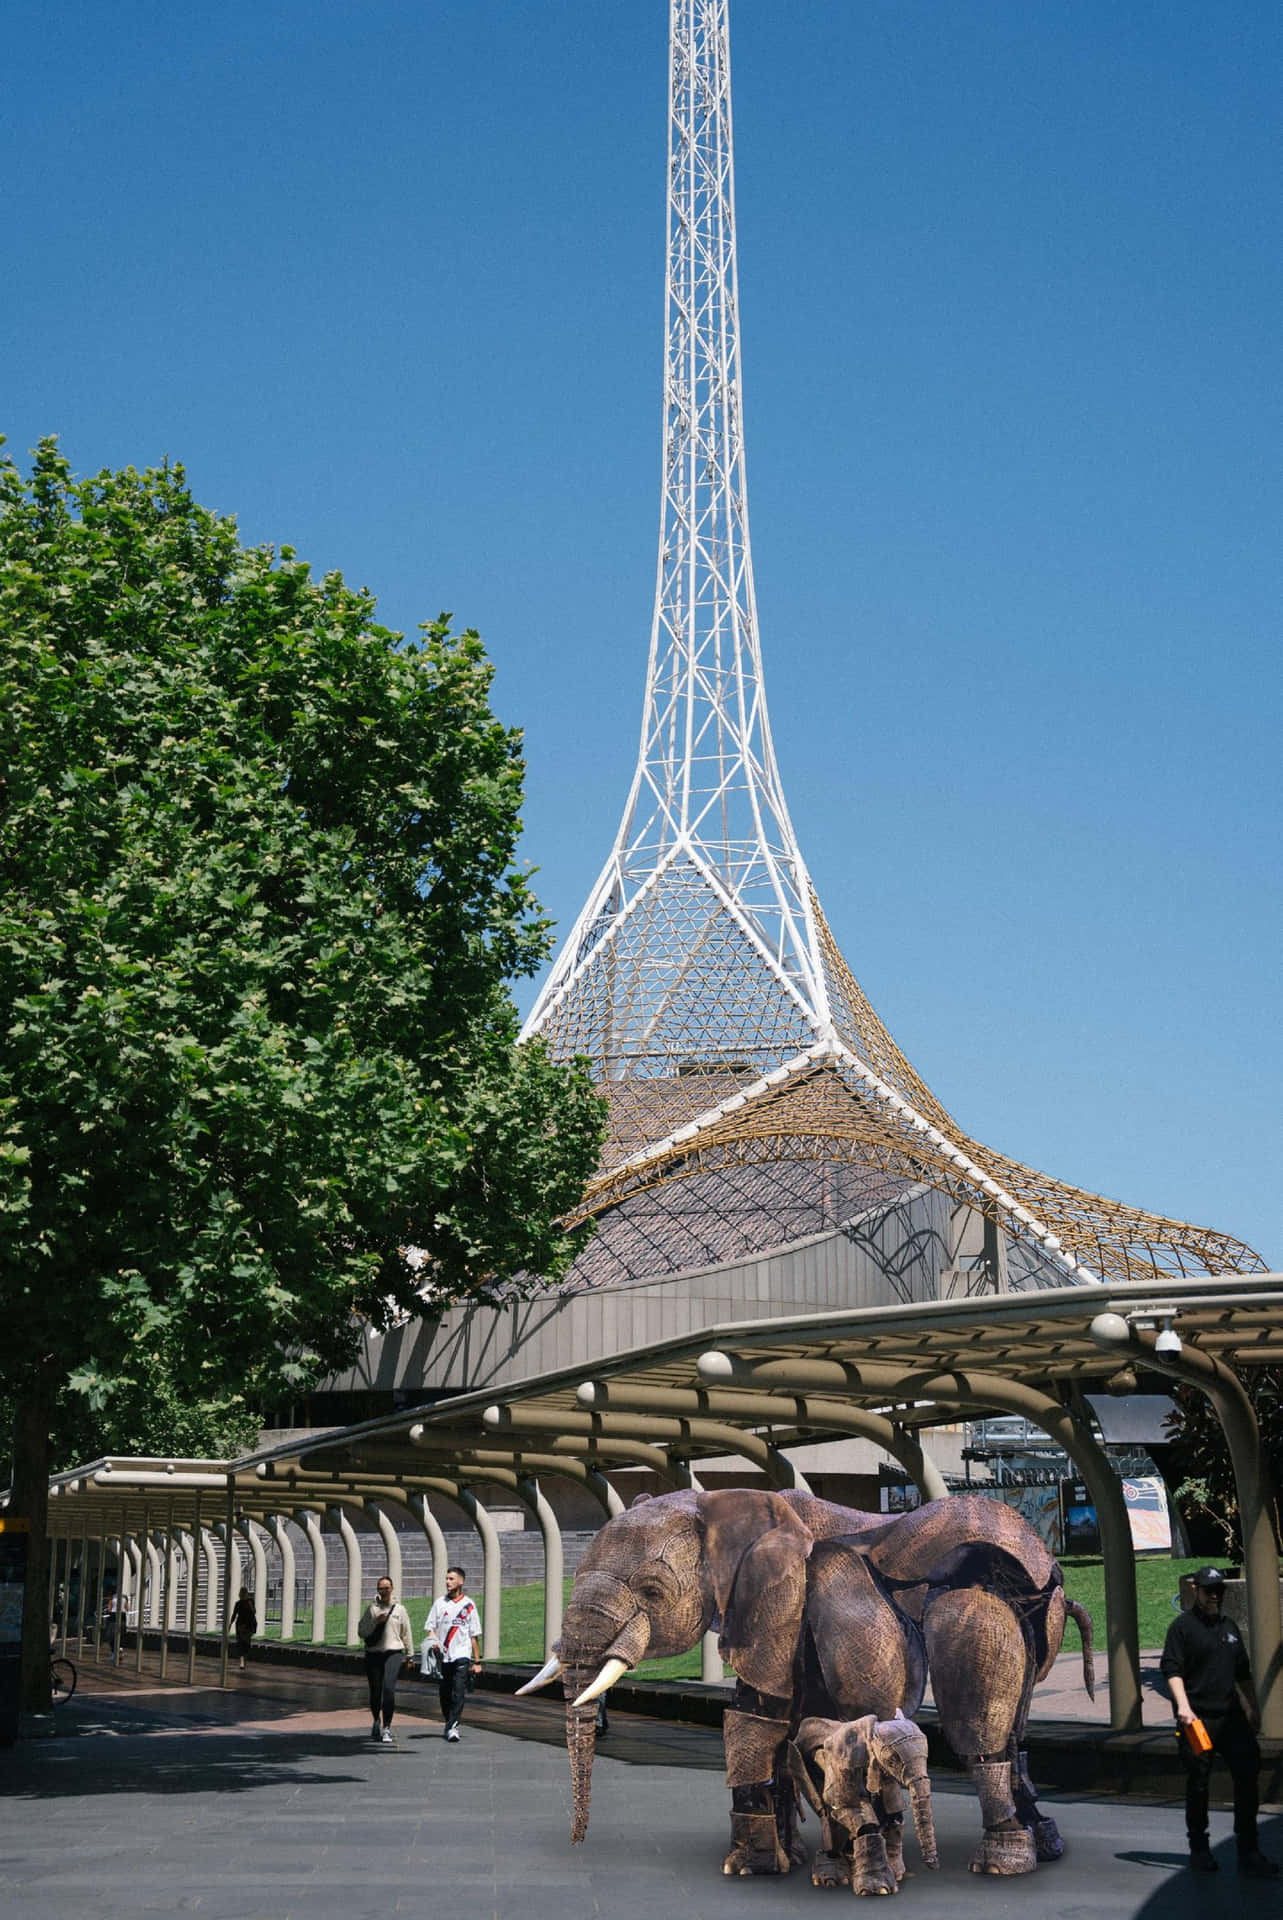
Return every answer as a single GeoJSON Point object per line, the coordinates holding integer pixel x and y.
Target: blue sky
{"type": "Point", "coordinates": [388, 279]}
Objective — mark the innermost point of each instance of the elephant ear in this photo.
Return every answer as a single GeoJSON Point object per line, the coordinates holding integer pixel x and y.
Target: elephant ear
{"type": "Point", "coordinates": [756, 1550]}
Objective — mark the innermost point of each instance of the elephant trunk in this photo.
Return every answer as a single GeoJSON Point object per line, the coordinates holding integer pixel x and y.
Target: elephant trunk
{"type": "Point", "coordinates": [924, 1825]}
{"type": "Point", "coordinates": [602, 1604]}
{"type": "Point", "coordinates": [581, 1744]}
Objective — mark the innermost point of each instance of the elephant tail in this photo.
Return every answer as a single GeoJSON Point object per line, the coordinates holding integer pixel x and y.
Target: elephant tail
{"type": "Point", "coordinates": [1082, 1620]}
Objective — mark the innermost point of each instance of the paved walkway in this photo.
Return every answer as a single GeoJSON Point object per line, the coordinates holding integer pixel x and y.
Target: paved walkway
{"type": "Point", "coordinates": [269, 1802]}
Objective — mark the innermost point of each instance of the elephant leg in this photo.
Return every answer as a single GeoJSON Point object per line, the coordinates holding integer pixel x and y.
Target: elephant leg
{"type": "Point", "coordinates": [1047, 1841]}
{"type": "Point", "coordinates": [752, 1742]}
{"type": "Point", "coordinates": [830, 1870]}
{"type": "Point", "coordinates": [889, 1804]}
{"type": "Point", "coordinates": [1007, 1846]}
{"type": "Point", "coordinates": [980, 1674]}
{"type": "Point", "coordinates": [832, 1864]}
{"type": "Point", "coordinates": [870, 1870]}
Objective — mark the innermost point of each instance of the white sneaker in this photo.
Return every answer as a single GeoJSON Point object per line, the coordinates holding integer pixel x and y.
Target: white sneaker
{"type": "Point", "coordinates": [452, 1733]}
{"type": "Point", "coordinates": [385, 1737]}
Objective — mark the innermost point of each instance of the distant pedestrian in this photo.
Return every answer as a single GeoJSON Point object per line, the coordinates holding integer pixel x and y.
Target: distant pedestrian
{"type": "Point", "coordinates": [454, 1625]}
{"type": "Point", "coordinates": [384, 1628]}
{"type": "Point", "coordinates": [1208, 1677]}
{"type": "Point", "coordinates": [244, 1624]}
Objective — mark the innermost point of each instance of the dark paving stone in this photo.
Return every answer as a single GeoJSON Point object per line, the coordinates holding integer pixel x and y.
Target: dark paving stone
{"type": "Point", "coordinates": [302, 1822]}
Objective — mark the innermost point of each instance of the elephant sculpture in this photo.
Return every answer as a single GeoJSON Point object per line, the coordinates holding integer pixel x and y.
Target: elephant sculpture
{"type": "Point", "coordinates": [855, 1774]}
{"type": "Point", "coordinates": [827, 1612]}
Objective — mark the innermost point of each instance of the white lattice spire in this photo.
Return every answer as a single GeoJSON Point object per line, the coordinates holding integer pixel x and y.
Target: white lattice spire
{"type": "Point", "coordinates": [705, 834]}
{"type": "Point", "coordinates": [700, 979]}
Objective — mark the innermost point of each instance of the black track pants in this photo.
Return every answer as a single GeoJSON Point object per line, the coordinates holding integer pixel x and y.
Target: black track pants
{"type": "Point", "coordinates": [453, 1691]}
{"type": "Point", "coordinates": [1234, 1740]}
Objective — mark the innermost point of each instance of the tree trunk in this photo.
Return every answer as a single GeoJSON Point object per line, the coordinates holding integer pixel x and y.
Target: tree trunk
{"type": "Point", "coordinates": [30, 1501]}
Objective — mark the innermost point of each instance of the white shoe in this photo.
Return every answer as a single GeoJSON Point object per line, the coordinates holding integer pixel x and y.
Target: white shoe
{"type": "Point", "coordinates": [452, 1733]}
{"type": "Point", "coordinates": [385, 1737]}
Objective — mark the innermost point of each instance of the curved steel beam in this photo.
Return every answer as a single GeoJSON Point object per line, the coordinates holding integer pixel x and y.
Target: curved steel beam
{"type": "Point", "coordinates": [796, 1410]}
{"type": "Point", "coordinates": [691, 1434]}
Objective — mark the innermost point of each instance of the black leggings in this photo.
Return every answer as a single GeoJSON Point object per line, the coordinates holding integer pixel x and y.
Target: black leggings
{"type": "Point", "coordinates": [381, 1670]}
{"type": "Point", "coordinates": [453, 1691]}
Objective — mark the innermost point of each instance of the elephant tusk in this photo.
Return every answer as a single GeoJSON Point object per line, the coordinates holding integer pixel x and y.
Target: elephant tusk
{"type": "Point", "coordinates": [549, 1671]}
{"type": "Point", "coordinates": [605, 1679]}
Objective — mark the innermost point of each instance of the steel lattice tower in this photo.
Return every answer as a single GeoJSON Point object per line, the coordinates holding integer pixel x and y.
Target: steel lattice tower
{"type": "Point", "coordinates": [735, 1046]}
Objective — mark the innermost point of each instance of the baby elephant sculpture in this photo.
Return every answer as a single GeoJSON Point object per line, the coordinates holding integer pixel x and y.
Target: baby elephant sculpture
{"type": "Point", "coordinates": [855, 1774]}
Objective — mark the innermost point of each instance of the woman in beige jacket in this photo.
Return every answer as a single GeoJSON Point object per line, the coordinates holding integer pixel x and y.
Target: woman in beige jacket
{"type": "Point", "coordinates": [385, 1629]}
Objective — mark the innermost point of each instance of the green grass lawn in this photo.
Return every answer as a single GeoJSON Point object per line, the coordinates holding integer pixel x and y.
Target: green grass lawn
{"type": "Point", "coordinates": [521, 1626]}
{"type": "Point", "coordinates": [1157, 1583]}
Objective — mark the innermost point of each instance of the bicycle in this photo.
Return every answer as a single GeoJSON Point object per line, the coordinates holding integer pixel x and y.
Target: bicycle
{"type": "Point", "coordinates": [62, 1681]}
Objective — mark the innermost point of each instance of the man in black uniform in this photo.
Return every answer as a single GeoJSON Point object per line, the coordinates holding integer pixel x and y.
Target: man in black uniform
{"type": "Point", "coordinates": [1205, 1666]}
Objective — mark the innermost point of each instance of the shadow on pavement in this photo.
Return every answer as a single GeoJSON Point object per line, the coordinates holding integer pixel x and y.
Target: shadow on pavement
{"type": "Point", "coordinates": [144, 1765]}
{"type": "Point", "coordinates": [1182, 1895]}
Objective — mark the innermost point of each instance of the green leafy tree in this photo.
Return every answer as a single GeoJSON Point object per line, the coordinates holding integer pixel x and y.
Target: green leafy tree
{"type": "Point", "coordinates": [1200, 1456]}
{"type": "Point", "coordinates": [258, 910]}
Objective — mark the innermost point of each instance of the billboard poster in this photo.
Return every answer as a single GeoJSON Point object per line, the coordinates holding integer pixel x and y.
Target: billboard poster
{"type": "Point", "coordinates": [1040, 1506]}
{"type": "Point", "coordinates": [1079, 1527]}
{"type": "Point", "coordinates": [1147, 1514]}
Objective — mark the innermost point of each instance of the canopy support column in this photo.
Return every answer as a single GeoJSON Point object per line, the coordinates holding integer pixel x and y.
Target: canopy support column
{"type": "Point", "coordinates": [146, 1585]}
{"type": "Point", "coordinates": [553, 1562]}
{"type": "Point", "coordinates": [194, 1559]}
{"type": "Point", "coordinates": [83, 1588]}
{"type": "Point", "coordinates": [100, 1597]}
{"type": "Point", "coordinates": [229, 1552]}
{"type": "Point", "coordinates": [320, 1570]}
{"type": "Point", "coordinates": [285, 1547]}
{"type": "Point", "coordinates": [418, 1505]}
{"type": "Point", "coordinates": [211, 1580]}
{"type": "Point", "coordinates": [124, 1567]}
{"type": "Point", "coordinates": [259, 1559]}
{"type": "Point", "coordinates": [598, 1484]}
{"type": "Point", "coordinates": [352, 1547]}
{"type": "Point", "coordinates": [391, 1544]}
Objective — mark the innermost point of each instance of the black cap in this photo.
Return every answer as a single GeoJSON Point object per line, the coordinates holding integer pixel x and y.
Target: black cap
{"type": "Point", "coordinates": [1210, 1577]}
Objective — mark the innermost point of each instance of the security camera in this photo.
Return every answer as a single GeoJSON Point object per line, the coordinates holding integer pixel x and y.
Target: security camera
{"type": "Point", "coordinates": [1168, 1341]}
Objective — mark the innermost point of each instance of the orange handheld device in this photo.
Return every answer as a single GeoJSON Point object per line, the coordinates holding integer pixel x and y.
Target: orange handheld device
{"type": "Point", "coordinates": [1199, 1739]}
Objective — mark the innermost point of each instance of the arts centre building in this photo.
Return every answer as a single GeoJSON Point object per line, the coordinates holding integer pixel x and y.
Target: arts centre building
{"type": "Point", "coordinates": [771, 1154]}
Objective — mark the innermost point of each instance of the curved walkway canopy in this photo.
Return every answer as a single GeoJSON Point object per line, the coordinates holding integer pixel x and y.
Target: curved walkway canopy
{"type": "Point", "coordinates": [754, 1388]}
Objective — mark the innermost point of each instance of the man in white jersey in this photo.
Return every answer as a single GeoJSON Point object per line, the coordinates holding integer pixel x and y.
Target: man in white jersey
{"type": "Point", "coordinates": [454, 1625]}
